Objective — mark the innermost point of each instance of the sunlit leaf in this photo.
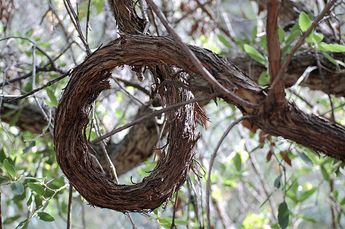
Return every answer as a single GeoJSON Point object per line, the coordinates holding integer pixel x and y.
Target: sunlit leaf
{"type": "Point", "coordinates": [224, 40]}
{"type": "Point", "coordinates": [307, 194]}
{"type": "Point", "coordinates": [304, 21]}
{"type": "Point", "coordinates": [238, 162]}
{"type": "Point", "coordinates": [324, 173]}
{"type": "Point", "coordinates": [52, 97]}
{"type": "Point", "coordinates": [253, 53]}
{"type": "Point", "coordinates": [9, 168]}
{"type": "Point", "coordinates": [331, 47]}
{"type": "Point", "coordinates": [264, 78]}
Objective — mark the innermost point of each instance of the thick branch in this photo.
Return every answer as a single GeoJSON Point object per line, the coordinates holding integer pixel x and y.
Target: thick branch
{"type": "Point", "coordinates": [144, 50]}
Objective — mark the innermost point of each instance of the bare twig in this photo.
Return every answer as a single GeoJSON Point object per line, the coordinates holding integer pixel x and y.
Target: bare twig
{"type": "Point", "coordinates": [213, 157]}
{"type": "Point", "coordinates": [0, 213]}
{"type": "Point", "coordinates": [135, 85]}
{"type": "Point", "coordinates": [196, 62]}
{"type": "Point", "coordinates": [131, 220]}
{"type": "Point", "coordinates": [280, 76]}
{"type": "Point", "coordinates": [75, 21]}
{"type": "Point", "coordinates": [69, 207]}
{"type": "Point", "coordinates": [204, 8]}
{"type": "Point", "coordinates": [110, 170]}
{"type": "Point", "coordinates": [173, 225]}
{"type": "Point", "coordinates": [87, 21]}
{"type": "Point", "coordinates": [42, 87]}
{"type": "Point", "coordinates": [153, 114]}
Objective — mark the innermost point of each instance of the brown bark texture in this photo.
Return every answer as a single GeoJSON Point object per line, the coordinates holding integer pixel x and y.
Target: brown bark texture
{"type": "Point", "coordinates": [88, 80]}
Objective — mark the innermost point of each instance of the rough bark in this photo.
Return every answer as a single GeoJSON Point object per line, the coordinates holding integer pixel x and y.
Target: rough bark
{"type": "Point", "coordinates": [288, 122]}
{"type": "Point", "coordinates": [128, 154]}
{"type": "Point", "coordinates": [73, 149]}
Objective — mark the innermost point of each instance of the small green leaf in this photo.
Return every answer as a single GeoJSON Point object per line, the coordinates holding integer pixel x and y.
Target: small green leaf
{"type": "Point", "coordinates": [277, 182]}
{"type": "Point", "coordinates": [324, 172]}
{"type": "Point", "coordinates": [52, 97]}
{"type": "Point", "coordinates": [23, 224]}
{"type": "Point", "coordinates": [238, 162]}
{"type": "Point", "coordinates": [2, 155]}
{"type": "Point", "coordinates": [45, 216]}
{"type": "Point", "coordinates": [283, 215]}
{"type": "Point", "coordinates": [224, 41]}
{"type": "Point", "coordinates": [99, 5]}
{"type": "Point", "coordinates": [4, 179]}
{"type": "Point", "coordinates": [307, 194]}
{"type": "Point", "coordinates": [331, 47]}
{"type": "Point", "coordinates": [38, 188]}
{"type": "Point", "coordinates": [315, 37]}
{"type": "Point", "coordinates": [304, 21]}
{"type": "Point", "coordinates": [294, 33]}
{"type": "Point", "coordinates": [281, 35]}
{"type": "Point", "coordinates": [8, 166]}
{"type": "Point", "coordinates": [253, 53]}
{"type": "Point", "coordinates": [264, 78]}
{"type": "Point", "coordinates": [305, 158]}
{"type": "Point", "coordinates": [11, 219]}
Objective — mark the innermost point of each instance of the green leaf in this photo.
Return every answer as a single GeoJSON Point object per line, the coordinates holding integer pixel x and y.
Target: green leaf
{"type": "Point", "coordinates": [37, 188]}
{"type": "Point", "coordinates": [307, 194]}
{"type": "Point", "coordinates": [2, 155]}
{"type": "Point", "coordinates": [324, 172]}
{"type": "Point", "coordinates": [4, 179]}
{"type": "Point", "coordinates": [9, 168]}
{"type": "Point", "coordinates": [253, 53]}
{"type": "Point", "coordinates": [331, 47]}
{"type": "Point", "coordinates": [17, 188]}
{"type": "Point", "coordinates": [264, 78]}
{"type": "Point", "coordinates": [315, 37]}
{"type": "Point", "coordinates": [283, 215]}
{"type": "Point", "coordinates": [11, 219]}
{"type": "Point", "coordinates": [23, 224]}
{"type": "Point", "coordinates": [52, 97]}
{"type": "Point", "coordinates": [238, 162]}
{"type": "Point", "coordinates": [305, 158]}
{"type": "Point", "coordinates": [295, 31]}
{"type": "Point", "coordinates": [281, 35]}
{"type": "Point", "coordinates": [165, 222]}
{"type": "Point", "coordinates": [277, 182]}
{"type": "Point", "coordinates": [99, 5]}
{"type": "Point", "coordinates": [224, 40]}
{"type": "Point", "coordinates": [45, 216]}
{"type": "Point", "coordinates": [304, 21]}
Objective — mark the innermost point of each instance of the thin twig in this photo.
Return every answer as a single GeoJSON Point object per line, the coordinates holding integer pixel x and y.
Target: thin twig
{"type": "Point", "coordinates": [131, 220]}
{"type": "Point", "coordinates": [153, 114]}
{"type": "Point", "coordinates": [213, 157]}
{"type": "Point", "coordinates": [87, 21]}
{"type": "Point", "coordinates": [40, 88]}
{"type": "Point", "coordinates": [75, 21]}
{"type": "Point", "coordinates": [111, 167]}
{"type": "Point", "coordinates": [0, 213]}
{"type": "Point", "coordinates": [204, 8]}
{"type": "Point", "coordinates": [34, 44]}
{"type": "Point", "coordinates": [69, 207]}
{"type": "Point", "coordinates": [280, 76]}
{"type": "Point", "coordinates": [173, 225]}
{"type": "Point", "coordinates": [196, 62]}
